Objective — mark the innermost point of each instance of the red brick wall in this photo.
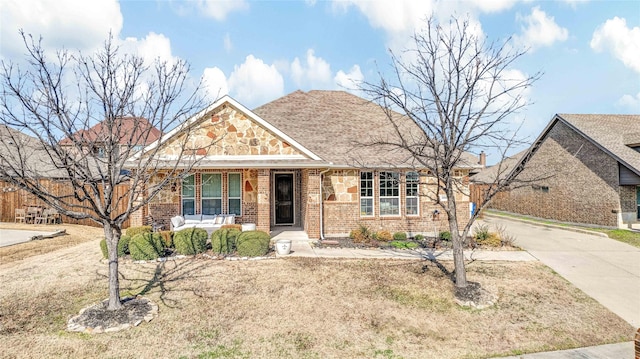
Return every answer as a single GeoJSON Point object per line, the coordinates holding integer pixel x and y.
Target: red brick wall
{"type": "Point", "coordinates": [263, 222]}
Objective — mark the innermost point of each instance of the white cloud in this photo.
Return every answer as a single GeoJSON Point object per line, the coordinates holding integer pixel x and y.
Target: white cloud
{"type": "Point", "coordinates": [624, 43]}
{"type": "Point", "coordinates": [214, 83]}
{"type": "Point", "coordinates": [539, 30]}
{"type": "Point", "coordinates": [391, 16]}
{"type": "Point", "coordinates": [493, 5]}
{"type": "Point", "coordinates": [314, 73]}
{"type": "Point", "coordinates": [82, 25]}
{"type": "Point", "coordinates": [153, 46]}
{"type": "Point", "coordinates": [630, 102]}
{"type": "Point", "coordinates": [254, 82]}
{"type": "Point", "coordinates": [349, 80]}
{"type": "Point", "coordinates": [219, 9]}
{"type": "Point", "coordinates": [228, 45]}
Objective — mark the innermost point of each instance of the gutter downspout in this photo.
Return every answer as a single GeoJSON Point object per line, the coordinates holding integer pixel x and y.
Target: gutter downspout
{"type": "Point", "coordinates": [322, 205]}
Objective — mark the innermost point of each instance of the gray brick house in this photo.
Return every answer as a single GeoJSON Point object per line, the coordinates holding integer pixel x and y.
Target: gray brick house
{"type": "Point", "coordinates": [591, 170]}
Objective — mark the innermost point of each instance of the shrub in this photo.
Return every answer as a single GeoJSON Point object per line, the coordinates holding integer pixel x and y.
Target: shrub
{"type": "Point", "coordinates": [133, 231]}
{"type": "Point", "coordinates": [146, 246]}
{"type": "Point", "coordinates": [252, 243]}
{"type": "Point", "coordinates": [233, 226]}
{"type": "Point", "coordinates": [400, 236]}
{"type": "Point", "coordinates": [418, 237]}
{"type": "Point", "coordinates": [123, 247]}
{"type": "Point", "coordinates": [445, 236]}
{"type": "Point", "coordinates": [491, 240]}
{"type": "Point", "coordinates": [167, 237]}
{"type": "Point", "coordinates": [223, 241]}
{"type": "Point", "coordinates": [384, 236]}
{"type": "Point", "coordinates": [190, 241]}
{"type": "Point", "coordinates": [362, 234]}
{"type": "Point", "coordinates": [481, 233]}
{"type": "Point", "coordinates": [103, 248]}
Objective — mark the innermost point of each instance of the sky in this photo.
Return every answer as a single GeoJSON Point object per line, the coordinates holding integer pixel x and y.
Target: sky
{"type": "Point", "coordinates": [257, 51]}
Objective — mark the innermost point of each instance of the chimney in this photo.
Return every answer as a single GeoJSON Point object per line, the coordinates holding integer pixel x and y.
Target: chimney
{"type": "Point", "coordinates": [482, 159]}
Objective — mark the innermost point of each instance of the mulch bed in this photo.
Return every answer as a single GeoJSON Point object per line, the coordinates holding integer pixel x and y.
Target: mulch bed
{"type": "Point", "coordinates": [98, 319]}
{"type": "Point", "coordinates": [346, 242]}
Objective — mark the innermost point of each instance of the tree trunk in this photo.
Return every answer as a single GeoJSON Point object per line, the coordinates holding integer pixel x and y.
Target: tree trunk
{"type": "Point", "coordinates": [457, 241]}
{"type": "Point", "coordinates": [113, 237]}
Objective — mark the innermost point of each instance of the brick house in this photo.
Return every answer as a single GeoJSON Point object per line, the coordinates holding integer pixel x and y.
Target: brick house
{"type": "Point", "coordinates": [592, 169]}
{"type": "Point", "coordinates": [300, 161]}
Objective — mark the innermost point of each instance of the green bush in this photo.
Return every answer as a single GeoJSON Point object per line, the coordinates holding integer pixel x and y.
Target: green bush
{"type": "Point", "coordinates": [190, 241]}
{"type": "Point", "coordinates": [418, 237]}
{"type": "Point", "coordinates": [223, 241]}
{"type": "Point", "coordinates": [133, 231]}
{"type": "Point", "coordinates": [252, 243]}
{"type": "Point", "coordinates": [146, 246]}
{"type": "Point", "coordinates": [400, 236]}
{"type": "Point", "coordinates": [103, 248]}
{"type": "Point", "coordinates": [445, 236]}
{"type": "Point", "coordinates": [383, 236]}
{"type": "Point", "coordinates": [123, 247]}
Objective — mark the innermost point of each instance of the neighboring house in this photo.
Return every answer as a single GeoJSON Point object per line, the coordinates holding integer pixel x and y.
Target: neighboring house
{"type": "Point", "coordinates": [135, 132]}
{"type": "Point", "coordinates": [592, 169]}
{"type": "Point", "coordinates": [297, 161]}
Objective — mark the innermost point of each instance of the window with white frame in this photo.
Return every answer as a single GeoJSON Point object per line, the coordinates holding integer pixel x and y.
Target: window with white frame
{"type": "Point", "coordinates": [389, 194]}
{"type": "Point", "coordinates": [234, 188]}
{"type": "Point", "coordinates": [211, 194]}
{"type": "Point", "coordinates": [189, 195]}
{"type": "Point", "coordinates": [412, 194]}
{"type": "Point", "coordinates": [366, 194]}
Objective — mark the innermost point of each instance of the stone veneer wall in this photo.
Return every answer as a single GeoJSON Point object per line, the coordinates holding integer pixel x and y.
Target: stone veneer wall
{"type": "Point", "coordinates": [342, 207]}
{"type": "Point", "coordinates": [583, 187]}
{"type": "Point", "coordinates": [227, 132]}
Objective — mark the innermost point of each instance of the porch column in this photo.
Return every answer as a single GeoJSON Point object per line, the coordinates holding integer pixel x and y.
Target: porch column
{"type": "Point", "coordinates": [264, 200]}
{"type": "Point", "coordinates": [313, 204]}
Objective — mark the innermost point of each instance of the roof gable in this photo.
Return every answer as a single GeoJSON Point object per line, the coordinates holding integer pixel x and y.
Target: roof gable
{"type": "Point", "coordinates": [613, 134]}
{"type": "Point", "coordinates": [227, 130]}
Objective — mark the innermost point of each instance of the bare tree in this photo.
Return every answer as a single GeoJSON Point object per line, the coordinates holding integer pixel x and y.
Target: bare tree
{"type": "Point", "coordinates": [88, 116]}
{"type": "Point", "coordinates": [462, 93]}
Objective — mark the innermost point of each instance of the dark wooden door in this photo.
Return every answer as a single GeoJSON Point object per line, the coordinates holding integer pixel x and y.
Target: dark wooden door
{"type": "Point", "coordinates": [284, 203]}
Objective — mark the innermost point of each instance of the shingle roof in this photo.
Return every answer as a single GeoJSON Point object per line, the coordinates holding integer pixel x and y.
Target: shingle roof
{"type": "Point", "coordinates": [613, 133]}
{"type": "Point", "coordinates": [335, 124]}
{"type": "Point", "coordinates": [134, 130]}
{"type": "Point", "coordinates": [499, 171]}
{"type": "Point", "coordinates": [25, 154]}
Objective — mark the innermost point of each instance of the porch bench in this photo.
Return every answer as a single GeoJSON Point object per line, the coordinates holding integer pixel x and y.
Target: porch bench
{"type": "Point", "coordinates": [210, 223]}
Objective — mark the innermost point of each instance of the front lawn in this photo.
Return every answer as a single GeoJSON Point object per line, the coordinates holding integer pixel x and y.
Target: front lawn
{"type": "Point", "coordinates": [297, 308]}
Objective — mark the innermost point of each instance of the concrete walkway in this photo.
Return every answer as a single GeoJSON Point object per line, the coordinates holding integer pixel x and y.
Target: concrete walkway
{"type": "Point", "coordinates": [10, 237]}
{"type": "Point", "coordinates": [301, 246]}
{"type": "Point", "coordinates": [608, 351]}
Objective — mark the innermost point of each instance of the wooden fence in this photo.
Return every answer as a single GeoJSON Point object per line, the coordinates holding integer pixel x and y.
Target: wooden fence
{"type": "Point", "coordinates": [12, 198]}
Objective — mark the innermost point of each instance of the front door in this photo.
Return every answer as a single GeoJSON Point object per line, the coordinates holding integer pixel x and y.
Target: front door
{"type": "Point", "coordinates": [284, 204]}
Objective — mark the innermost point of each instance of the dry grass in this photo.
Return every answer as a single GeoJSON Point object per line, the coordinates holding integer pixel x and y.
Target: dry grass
{"type": "Point", "coordinates": [297, 308]}
{"type": "Point", "coordinates": [75, 234]}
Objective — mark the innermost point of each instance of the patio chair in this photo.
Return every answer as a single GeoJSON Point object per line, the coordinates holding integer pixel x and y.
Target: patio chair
{"type": "Point", "coordinates": [32, 213]}
{"type": "Point", "coordinates": [54, 216]}
{"type": "Point", "coordinates": [42, 217]}
{"type": "Point", "coordinates": [21, 215]}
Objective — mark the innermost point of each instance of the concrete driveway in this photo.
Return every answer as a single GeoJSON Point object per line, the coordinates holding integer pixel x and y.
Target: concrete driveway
{"type": "Point", "coordinates": [603, 268]}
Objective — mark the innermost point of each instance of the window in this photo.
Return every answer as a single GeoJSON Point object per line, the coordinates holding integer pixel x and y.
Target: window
{"type": "Point", "coordinates": [234, 185]}
{"type": "Point", "coordinates": [389, 194]}
{"type": "Point", "coordinates": [412, 184]}
{"type": "Point", "coordinates": [188, 195]}
{"type": "Point", "coordinates": [366, 194]}
{"type": "Point", "coordinates": [211, 193]}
